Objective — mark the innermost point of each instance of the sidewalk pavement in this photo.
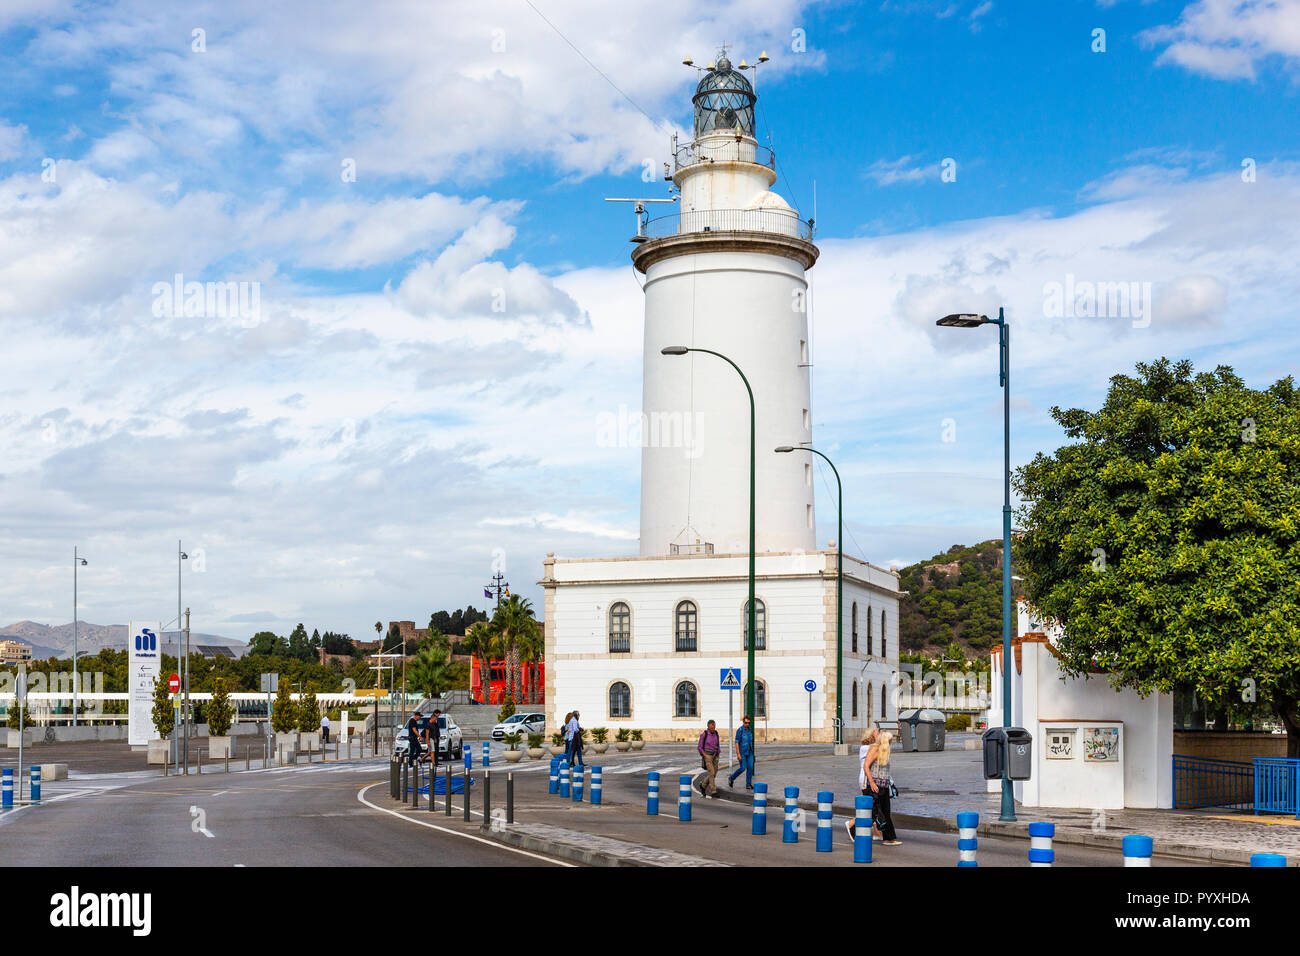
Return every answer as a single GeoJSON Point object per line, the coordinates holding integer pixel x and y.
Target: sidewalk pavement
{"type": "Point", "coordinates": [934, 787]}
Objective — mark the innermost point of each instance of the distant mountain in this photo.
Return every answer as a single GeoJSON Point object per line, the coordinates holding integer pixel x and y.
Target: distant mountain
{"type": "Point", "coordinates": [956, 597]}
{"type": "Point", "coordinates": [56, 641]}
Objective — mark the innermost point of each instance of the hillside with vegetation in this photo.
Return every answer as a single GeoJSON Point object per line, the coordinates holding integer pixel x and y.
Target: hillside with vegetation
{"type": "Point", "coordinates": [956, 598]}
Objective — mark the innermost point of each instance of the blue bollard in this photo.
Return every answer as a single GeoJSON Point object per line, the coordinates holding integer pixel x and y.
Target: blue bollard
{"type": "Point", "coordinates": [967, 844]}
{"type": "Point", "coordinates": [8, 792]}
{"type": "Point", "coordinates": [760, 809]}
{"type": "Point", "coordinates": [554, 786]}
{"type": "Point", "coordinates": [36, 784]}
{"type": "Point", "coordinates": [790, 827]}
{"type": "Point", "coordinates": [485, 753]}
{"type": "Point", "coordinates": [468, 756]}
{"type": "Point", "coordinates": [578, 774]}
{"type": "Point", "coordinates": [1138, 849]}
{"type": "Point", "coordinates": [825, 818]}
{"type": "Point", "coordinates": [1040, 844]}
{"type": "Point", "coordinates": [564, 779]}
{"type": "Point", "coordinates": [684, 798]}
{"type": "Point", "coordinates": [652, 795]}
{"type": "Point", "coordinates": [1267, 859]}
{"type": "Point", "coordinates": [595, 786]}
{"type": "Point", "coordinates": [862, 829]}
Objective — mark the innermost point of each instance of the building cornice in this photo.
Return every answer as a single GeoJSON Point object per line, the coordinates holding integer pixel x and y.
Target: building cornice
{"type": "Point", "coordinates": [694, 243]}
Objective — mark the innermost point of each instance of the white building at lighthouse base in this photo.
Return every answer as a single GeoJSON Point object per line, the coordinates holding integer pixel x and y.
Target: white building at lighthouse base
{"type": "Point", "coordinates": [640, 642]}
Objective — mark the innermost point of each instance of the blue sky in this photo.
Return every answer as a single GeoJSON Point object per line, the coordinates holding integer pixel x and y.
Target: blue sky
{"type": "Point", "coordinates": [366, 444]}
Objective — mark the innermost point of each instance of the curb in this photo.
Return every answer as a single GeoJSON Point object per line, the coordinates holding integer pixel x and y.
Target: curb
{"type": "Point", "coordinates": [528, 842]}
{"type": "Point", "coordinates": [1021, 829]}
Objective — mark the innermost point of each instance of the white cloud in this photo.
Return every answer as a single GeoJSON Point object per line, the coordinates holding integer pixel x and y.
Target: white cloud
{"type": "Point", "coordinates": [11, 140]}
{"type": "Point", "coordinates": [1230, 39]}
{"type": "Point", "coordinates": [905, 169]}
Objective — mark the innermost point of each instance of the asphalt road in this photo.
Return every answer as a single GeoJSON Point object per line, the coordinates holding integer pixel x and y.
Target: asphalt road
{"type": "Point", "coordinates": [302, 816]}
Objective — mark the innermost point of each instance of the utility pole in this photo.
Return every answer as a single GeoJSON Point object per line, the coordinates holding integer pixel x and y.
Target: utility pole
{"type": "Point", "coordinates": [500, 585]}
{"type": "Point", "coordinates": [76, 561]}
{"type": "Point", "coordinates": [186, 690]}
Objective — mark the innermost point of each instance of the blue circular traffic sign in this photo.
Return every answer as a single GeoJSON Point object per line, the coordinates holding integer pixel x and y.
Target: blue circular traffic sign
{"type": "Point", "coordinates": [810, 685]}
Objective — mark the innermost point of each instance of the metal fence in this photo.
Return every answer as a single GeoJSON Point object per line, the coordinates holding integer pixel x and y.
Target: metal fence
{"type": "Point", "coordinates": [1203, 782]}
{"type": "Point", "coordinates": [773, 221]}
{"type": "Point", "coordinates": [1277, 785]}
{"type": "Point", "coordinates": [718, 150]}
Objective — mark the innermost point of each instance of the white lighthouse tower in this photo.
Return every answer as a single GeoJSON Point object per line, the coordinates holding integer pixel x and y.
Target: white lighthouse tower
{"type": "Point", "coordinates": [642, 642]}
{"type": "Point", "coordinates": [727, 273]}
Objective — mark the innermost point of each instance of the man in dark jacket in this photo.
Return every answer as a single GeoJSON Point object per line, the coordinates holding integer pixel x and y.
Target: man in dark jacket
{"type": "Point", "coordinates": [709, 747]}
{"type": "Point", "coordinates": [413, 740]}
{"type": "Point", "coordinates": [432, 734]}
{"type": "Point", "coordinates": [744, 754]}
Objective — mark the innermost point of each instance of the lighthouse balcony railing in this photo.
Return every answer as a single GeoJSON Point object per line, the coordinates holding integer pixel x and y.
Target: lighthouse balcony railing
{"type": "Point", "coordinates": [774, 221]}
{"type": "Point", "coordinates": [719, 149]}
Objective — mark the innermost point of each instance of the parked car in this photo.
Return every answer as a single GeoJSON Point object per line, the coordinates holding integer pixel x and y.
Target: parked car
{"type": "Point", "coordinates": [450, 742]}
{"type": "Point", "coordinates": [520, 723]}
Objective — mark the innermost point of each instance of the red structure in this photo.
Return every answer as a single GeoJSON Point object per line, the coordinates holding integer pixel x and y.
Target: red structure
{"type": "Point", "coordinates": [533, 677]}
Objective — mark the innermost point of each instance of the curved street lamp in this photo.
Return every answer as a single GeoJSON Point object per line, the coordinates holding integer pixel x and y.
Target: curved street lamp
{"type": "Point", "coordinates": [750, 689]}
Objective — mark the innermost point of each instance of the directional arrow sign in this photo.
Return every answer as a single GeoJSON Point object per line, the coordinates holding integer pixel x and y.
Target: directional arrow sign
{"type": "Point", "coordinates": [730, 678]}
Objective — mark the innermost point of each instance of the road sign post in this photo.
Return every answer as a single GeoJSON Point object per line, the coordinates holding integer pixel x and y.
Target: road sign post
{"type": "Point", "coordinates": [22, 729]}
{"type": "Point", "coordinates": [729, 680]}
{"type": "Point", "coordinates": [810, 686]}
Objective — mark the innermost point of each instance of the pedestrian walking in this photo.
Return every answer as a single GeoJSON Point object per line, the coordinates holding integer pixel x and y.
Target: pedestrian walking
{"type": "Point", "coordinates": [432, 736]}
{"type": "Point", "coordinates": [325, 728]}
{"type": "Point", "coordinates": [744, 744]}
{"type": "Point", "coordinates": [573, 731]}
{"type": "Point", "coordinates": [876, 781]}
{"type": "Point", "coordinates": [710, 746]}
{"type": "Point", "coordinates": [413, 749]}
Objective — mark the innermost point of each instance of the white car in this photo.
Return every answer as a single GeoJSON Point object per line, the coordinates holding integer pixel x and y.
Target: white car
{"type": "Point", "coordinates": [450, 743]}
{"type": "Point", "coordinates": [520, 723]}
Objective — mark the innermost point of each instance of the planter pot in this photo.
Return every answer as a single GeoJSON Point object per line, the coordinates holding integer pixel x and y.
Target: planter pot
{"type": "Point", "coordinates": [536, 753]}
{"type": "Point", "coordinates": [600, 748]}
{"type": "Point", "coordinates": [310, 742]}
{"type": "Point", "coordinates": [514, 756]}
{"type": "Point", "coordinates": [159, 751]}
{"type": "Point", "coordinates": [637, 744]}
{"type": "Point", "coordinates": [622, 746]}
{"type": "Point", "coordinates": [556, 751]}
{"type": "Point", "coordinates": [219, 748]}
{"type": "Point", "coordinates": [25, 734]}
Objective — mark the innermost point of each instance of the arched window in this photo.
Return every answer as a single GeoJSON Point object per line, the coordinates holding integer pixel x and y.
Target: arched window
{"type": "Point", "coordinates": [883, 632]}
{"type": "Point", "coordinates": [760, 627]}
{"type": "Point", "coordinates": [620, 628]}
{"type": "Point", "coordinates": [760, 700]}
{"type": "Point", "coordinates": [687, 629]}
{"type": "Point", "coordinates": [854, 617]}
{"type": "Point", "coordinates": [870, 698]}
{"type": "Point", "coordinates": [620, 700]}
{"type": "Point", "coordinates": [686, 701]}
{"type": "Point", "coordinates": [855, 700]}
{"type": "Point", "coordinates": [869, 640]}
{"type": "Point", "coordinates": [884, 699]}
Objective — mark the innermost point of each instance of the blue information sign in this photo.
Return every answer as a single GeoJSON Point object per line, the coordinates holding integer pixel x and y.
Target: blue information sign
{"type": "Point", "coordinates": [810, 685]}
{"type": "Point", "coordinates": [730, 678]}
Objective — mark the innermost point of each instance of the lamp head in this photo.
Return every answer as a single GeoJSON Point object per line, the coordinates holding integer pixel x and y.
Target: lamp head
{"type": "Point", "coordinates": [962, 320]}
{"type": "Point", "coordinates": [782, 449]}
{"type": "Point", "coordinates": [688, 61]}
{"type": "Point", "coordinates": [184, 556]}
{"type": "Point", "coordinates": [83, 561]}
{"type": "Point", "coordinates": [674, 350]}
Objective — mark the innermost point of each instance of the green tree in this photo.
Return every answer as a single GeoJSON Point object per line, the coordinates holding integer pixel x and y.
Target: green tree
{"type": "Point", "coordinates": [309, 711]}
{"type": "Point", "coordinates": [164, 714]}
{"type": "Point", "coordinates": [516, 628]}
{"type": "Point", "coordinates": [431, 669]}
{"type": "Point", "coordinates": [267, 644]}
{"type": "Point", "coordinates": [300, 645]}
{"type": "Point", "coordinates": [12, 720]}
{"type": "Point", "coordinates": [219, 711]}
{"type": "Point", "coordinates": [284, 714]}
{"type": "Point", "coordinates": [1166, 538]}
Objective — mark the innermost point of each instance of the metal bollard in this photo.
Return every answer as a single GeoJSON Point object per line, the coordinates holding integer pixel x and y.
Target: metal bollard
{"type": "Point", "coordinates": [595, 786]}
{"type": "Point", "coordinates": [652, 795]}
{"type": "Point", "coordinates": [468, 780]}
{"type": "Point", "coordinates": [1267, 859]}
{"type": "Point", "coordinates": [1138, 849]}
{"type": "Point", "coordinates": [487, 796]}
{"type": "Point", "coordinates": [447, 781]}
{"type": "Point", "coordinates": [684, 798]}
{"type": "Point", "coordinates": [415, 787]}
{"type": "Point", "coordinates": [825, 818]}
{"type": "Point", "coordinates": [227, 760]}
{"type": "Point", "coordinates": [553, 787]}
{"type": "Point", "coordinates": [579, 777]}
{"type": "Point", "coordinates": [36, 784]}
{"type": "Point", "coordinates": [790, 826]}
{"type": "Point", "coordinates": [1040, 844]}
{"type": "Point", "coordinates": [564, 779]}
{"type": "Point", "coordinates": [862, 807]}
{"type": "Point", "coordinates": [485, 753]}
{"type": "Point", "coordinates": [406, 781]}
{"type": "Point", "coordinates": [510, 797]}
{"type": "Point", "coordinates": [7, 794]}
{"type": "Point", "coordinates": [760, 810]}
{"type": "Point", "coordinates": [967, 843]}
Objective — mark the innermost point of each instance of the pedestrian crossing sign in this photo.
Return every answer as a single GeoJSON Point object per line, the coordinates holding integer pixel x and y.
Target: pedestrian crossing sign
{"type": "Point", "coordinates": [731, 678]}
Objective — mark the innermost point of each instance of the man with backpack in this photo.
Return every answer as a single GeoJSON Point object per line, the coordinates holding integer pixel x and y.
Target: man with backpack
{"type": "Point", "coordinates": [709, 746]}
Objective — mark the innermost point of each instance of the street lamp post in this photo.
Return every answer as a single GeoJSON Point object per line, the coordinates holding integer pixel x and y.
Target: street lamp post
{"type": "Point", "coordinates": [839, 592]}
{"type": "Point", "coordinates": [751, 689]}
{"type": "Point", "coordinates": [76, 561]}
{"type": "Point", "coordinates": [185, 662]}
{"type": "Point", "coordinates": [969, 321]}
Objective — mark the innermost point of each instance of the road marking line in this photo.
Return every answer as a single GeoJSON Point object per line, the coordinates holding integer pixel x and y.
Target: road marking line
{"type": "Point", "coordinates": [361, 795]}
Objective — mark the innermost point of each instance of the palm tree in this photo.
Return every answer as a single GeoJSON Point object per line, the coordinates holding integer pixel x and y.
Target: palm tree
{"type": "Point", "coordinates": [431, 668]}
{"type": "Point", "coordinates": [516, 627]}
{"type": "Point", "coordinates": [481, 641]}
{"type": "Point", "coordinates": [532, 647]}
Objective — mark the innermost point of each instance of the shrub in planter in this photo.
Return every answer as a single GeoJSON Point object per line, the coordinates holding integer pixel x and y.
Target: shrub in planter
{"type": "Point", "coordinates": [513, 753]}
{"type": "Point", "coordinates": [557, 743]}
{"type": "Point", "coordinates": [219, 711]}
{"type": "Point", "coordinates": [309, 711]}
{"type": "Point", "coordinates": [507, 709]}
{"type": "Point", "coordinates": [637, 742]}
{"type": "Point", "coordinates": [535, 750]}
{"type": "Point", "coordinates": [621, 740]}
{"type": "Point", "coordinates": [163, 713]}
{"type": "Point", "coordinates": [600, 735]}
{"type": "Point", "coordinates": [26, 715]}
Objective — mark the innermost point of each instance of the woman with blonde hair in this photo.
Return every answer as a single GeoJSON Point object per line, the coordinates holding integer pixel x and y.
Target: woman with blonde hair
{"type": "Point", "coordinates": [874, 778]}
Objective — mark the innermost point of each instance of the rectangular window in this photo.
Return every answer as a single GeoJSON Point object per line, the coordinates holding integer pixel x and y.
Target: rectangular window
{"type": "Point", "coordinates": [807, 421]}
{"type": "Point", "coordinates": [810, 517]}
{"type": "Point", "coordinates": [807, 475]}
{"type": "Point", "coordinates": [803, 351]}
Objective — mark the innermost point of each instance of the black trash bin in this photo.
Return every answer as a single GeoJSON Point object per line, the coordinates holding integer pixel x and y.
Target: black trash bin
{"type": "Point", "coordinates": [906, 740]}
{"type": "Point", "coordinates": [929, 730]}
